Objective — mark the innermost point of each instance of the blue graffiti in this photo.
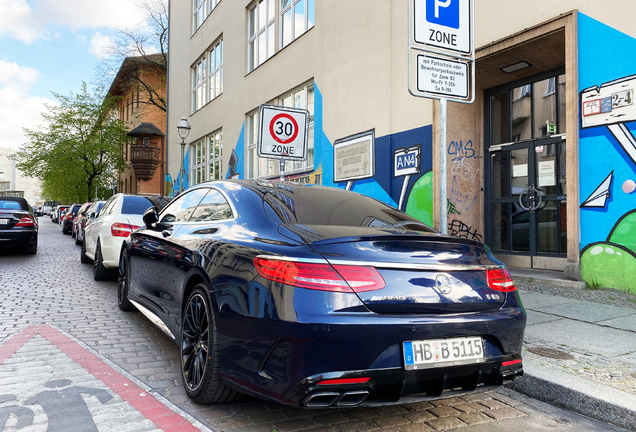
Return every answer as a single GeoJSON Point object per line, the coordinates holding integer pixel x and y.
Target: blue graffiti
{"type": "Point", "coordinates": [458, 148]}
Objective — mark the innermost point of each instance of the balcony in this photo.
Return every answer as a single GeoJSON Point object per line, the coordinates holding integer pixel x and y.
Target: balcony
{"type": "Point", "coordinates": [145, 161]}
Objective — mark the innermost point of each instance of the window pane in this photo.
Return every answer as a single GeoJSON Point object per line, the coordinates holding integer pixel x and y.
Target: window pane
{"type": "Point", "coordinates": [546, 168]}
{"type": "Point", "coordinates": [545, 109]}
{"type": "Point", "coordinates": [212, 207]}
{"type": "Point", "coordinates": [270, 13]}
{"type": "Point", "coordinates": [299, 99]}
{"type": "Point", "coordinates": [287, 28]}
{"type": "Point", "coordinates": [270, 41]}
{"type": "Point", "coordinates": [500, 174]}
{"type": "Point", "coordinates": [221, 81]}
{"type": "Point", "coordinates": [310, 14]}
{"type": "Point", "coordinates": [262, 15]}
{"type": "Point", "coordinates": [251, 163]}
{"type": "Point", "coordinates": [182, 207]}
{"type": "Point", "coordinates": [500, 227]}
{"type": "Point", "coordinates": [252, 23]}
{"type": "Point", "coordinates": [521, 113]}
{"type": "Point", "coordinates": [561, 91]}
{"type": "Point", "coordinates": [519, 160]}
{"type": "Point", "coordinates": [563, 222]}
{"type": "Point", "coordinates": [310, 103]}
{"type": "Point", "coordinates": [500, 118]}
{"type": "Point", "coordinates": [299, 13]}
{"type": "Point", "coordinates": [284, 3]}
{"type": "Point", "coordinates": [547, 217]}
{"type": "Point", "coordinates": [288, 102]}
{"type": "Point", "coordinates": [252, 55]}
{"type": "Point", "coordinates": [520, 229]}
{"type": "Point", "coordinates": [262, 48]}
{"type": "Point", "coordinates": [563, 188]}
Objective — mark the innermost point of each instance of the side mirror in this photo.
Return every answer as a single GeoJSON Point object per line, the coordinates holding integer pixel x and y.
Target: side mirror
{"type": "Point", "coordinates": [83, 213]}
{"type": "Point", "coordinates": [150, 217]}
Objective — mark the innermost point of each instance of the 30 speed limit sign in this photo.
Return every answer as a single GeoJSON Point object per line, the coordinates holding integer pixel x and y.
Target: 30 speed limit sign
{"type": "Point", "coordinates": [283, 132]}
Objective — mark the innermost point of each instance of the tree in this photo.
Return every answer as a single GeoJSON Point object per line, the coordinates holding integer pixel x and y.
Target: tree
{"type": "Point", "coordinates": [146, 45]}
{"type": "Point", "coordinates": [80, 148]}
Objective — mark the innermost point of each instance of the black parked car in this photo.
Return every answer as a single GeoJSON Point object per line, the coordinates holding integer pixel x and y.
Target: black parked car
{"type": "Point", "coordinates": [18, 224]}
{"type": "Point", "coordinates": [66, 221]}
{"type": "Point", "coordinates": [319, 297]}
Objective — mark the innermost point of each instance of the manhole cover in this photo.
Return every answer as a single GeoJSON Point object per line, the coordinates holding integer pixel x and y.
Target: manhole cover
{"type": "Point", "coordinates": [552, 353]}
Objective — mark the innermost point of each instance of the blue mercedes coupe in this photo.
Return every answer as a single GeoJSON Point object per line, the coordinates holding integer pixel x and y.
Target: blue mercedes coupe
{"type": "Point", "coordinates": [319, 297]}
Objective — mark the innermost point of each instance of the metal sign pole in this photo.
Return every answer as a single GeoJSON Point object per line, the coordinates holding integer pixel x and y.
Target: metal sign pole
{"type": "Point", "coordinates": [443, 192]}
{"type": "Point", "coordinates": [281, 169]}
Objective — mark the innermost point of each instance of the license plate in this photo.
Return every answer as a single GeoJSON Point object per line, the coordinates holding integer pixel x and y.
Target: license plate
{"type": "Point", "coordinates": [442, 352]}
{"type": "Point", "coordinates": [4, 221]}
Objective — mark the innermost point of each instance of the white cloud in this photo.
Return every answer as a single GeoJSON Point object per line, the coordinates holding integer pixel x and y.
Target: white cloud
{"type": "Point", "coordinates": [18, 109]}
{"type": "Point", "coordinates": [27, 23]}
{"type": "Point", "coordinates": [100, 45]}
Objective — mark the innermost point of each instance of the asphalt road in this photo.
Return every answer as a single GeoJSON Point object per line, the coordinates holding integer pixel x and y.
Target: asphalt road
{"type": "Point", "coordinates": [62, 335]}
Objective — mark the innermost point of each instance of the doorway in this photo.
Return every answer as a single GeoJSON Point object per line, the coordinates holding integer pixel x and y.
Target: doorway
{"type": "Point", "coordinates": [526, 173]}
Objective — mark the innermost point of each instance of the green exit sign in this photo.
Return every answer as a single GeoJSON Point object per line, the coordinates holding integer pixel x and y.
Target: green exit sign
{"type": "Point", "coordinates": [551, 127]}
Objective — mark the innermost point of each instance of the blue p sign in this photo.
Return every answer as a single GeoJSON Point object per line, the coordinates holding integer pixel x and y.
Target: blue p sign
{"type": "Point", "coordinates": [443, 12]}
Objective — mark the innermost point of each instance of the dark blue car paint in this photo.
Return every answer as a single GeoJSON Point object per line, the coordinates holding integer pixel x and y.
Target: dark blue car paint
{"type": "Point", "coordinates": [273, 337]}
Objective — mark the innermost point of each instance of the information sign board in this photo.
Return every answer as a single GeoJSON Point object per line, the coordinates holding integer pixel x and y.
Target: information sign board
{"type": "Point", "coordinates": [282, 132]}
{"type": "Point", "coordinates": [354, 158]}
{"type": "Point", "coordinates": [444, 77]}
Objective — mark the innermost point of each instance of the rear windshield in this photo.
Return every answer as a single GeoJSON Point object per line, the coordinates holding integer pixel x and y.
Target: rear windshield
{"type": "Point", "coordinates": [135, 205]}
{"type": "Point", "coordinates": [331, 206]}
{"type": "Point", "coordinates": [75, 209]}
{"type": "Point", "coordinates": [11, 205]}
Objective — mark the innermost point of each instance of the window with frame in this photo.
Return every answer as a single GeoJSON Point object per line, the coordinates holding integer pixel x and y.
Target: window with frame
{"type": "Point", "coordinates": [199, 90]}
{"type": "Point", "coordinates": [297, 16]}
{"type": "Point", "coordinates": [258, 167]}
{"type": "Point", "coordinates": [207, 159]}
{"type": "Point", "coordinates": [216, 70]}
{"type": "Point", "coordinates": [199, 13]}
{"type": "Point", "coordinates": [260, 32]}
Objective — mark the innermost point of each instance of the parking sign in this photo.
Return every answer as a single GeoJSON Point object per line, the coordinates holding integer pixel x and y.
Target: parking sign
{"type": "Point", "coordinates": [444, 24]}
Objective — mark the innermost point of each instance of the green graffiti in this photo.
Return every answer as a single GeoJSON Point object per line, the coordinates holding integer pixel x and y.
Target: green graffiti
{"type": "Point", "coordinates": [610, 266]}
{"type": "Point", "coordinates": [624, 232]}
{"type": "Point", "coordinates": [420, 202]}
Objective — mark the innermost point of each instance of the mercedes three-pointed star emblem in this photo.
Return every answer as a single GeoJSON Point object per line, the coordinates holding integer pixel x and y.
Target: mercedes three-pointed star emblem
{"type": "Point", "coordinates": [443, 284]}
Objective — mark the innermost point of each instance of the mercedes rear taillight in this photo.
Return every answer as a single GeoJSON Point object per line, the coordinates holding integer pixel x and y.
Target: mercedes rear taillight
{"type": "Point", "coordinates": [321, 277]}
{"type": "Point", "coordinates": [499, 279]}
{"type": "Point", "coordinates": [26, 221]}
{"type": "Point", "coordinates": [122, 229]}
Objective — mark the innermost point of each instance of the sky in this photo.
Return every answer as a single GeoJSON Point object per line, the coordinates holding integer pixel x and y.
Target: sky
{"type": "Point", "coordinates": [51, 46]}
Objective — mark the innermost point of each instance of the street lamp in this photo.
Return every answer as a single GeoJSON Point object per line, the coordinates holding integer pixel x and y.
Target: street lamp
{"type": "Point", "coordinates": [183, 127]}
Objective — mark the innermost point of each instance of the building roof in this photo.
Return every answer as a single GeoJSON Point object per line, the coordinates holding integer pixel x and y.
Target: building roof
{"type": "Point", "coordinates": [146, 129]}
{"type": "Point", "coordinates": [130, 66]}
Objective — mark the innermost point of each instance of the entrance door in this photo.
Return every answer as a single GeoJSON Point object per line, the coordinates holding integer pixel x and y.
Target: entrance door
{"type": "Point", "coordinates": [526, 206]}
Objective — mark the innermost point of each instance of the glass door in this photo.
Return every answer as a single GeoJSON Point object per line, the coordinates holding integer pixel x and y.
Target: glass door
{"type": "Point", "coordinates": [526, 207]}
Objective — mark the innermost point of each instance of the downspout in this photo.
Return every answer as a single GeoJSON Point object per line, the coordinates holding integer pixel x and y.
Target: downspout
{"type": "Point", "coordinates": [165, 144]}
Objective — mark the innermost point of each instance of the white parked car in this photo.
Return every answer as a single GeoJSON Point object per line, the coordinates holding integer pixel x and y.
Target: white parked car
{"type": "Point", "coordinates": [104, 235]}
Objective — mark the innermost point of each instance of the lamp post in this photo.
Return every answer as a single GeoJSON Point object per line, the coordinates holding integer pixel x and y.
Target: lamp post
{"type": "Point", "coordinates": [183, 127]}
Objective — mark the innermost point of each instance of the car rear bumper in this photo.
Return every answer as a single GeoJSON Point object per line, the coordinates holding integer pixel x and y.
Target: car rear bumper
{"type": "Point", "coordinates": [393, 386]}
{"type": "Point", "coordinates": [15, 237]}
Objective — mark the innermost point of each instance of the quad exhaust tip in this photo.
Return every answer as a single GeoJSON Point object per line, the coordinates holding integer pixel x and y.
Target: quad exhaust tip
{"type": "Point", "coordinates": [340, 399]}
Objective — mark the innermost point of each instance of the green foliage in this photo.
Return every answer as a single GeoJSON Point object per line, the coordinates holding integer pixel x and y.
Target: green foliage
{"type": "Point", "coordinates": [78, 150]}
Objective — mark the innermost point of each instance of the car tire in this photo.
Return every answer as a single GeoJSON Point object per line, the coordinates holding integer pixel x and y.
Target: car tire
{"type": "Point", "coordinates": [72, 233]}
{"type": "Point", "coordinates": [83, 258]}
{"type": "Point", "coordinates": [199, 349]}
{"type": "Point", "coordinates": [31, 249]}
{"type": "Point", "coordinates": [77, 240]}
{"type": "Point", "coordinates": [100, 272]}
{"type": "Point", "coordinates": [122, 283]}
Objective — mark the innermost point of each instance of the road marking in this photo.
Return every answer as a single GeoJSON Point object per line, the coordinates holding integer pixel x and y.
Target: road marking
{"type": "Point", "coordinates": [40, 365]}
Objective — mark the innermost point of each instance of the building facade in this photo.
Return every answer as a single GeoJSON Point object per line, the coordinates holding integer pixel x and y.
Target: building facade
{"type": "Point", "coordinates": [14, 183]}
{"type": "Point", "coordinates": [552, 118]}
{"type": "Point", "coordinates": [138, 81]}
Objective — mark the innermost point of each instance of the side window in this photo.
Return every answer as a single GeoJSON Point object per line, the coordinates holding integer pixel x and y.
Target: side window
{"type": "Point", "coordinates": [213, 207]}
{"type": "Point", "coordinates": [108, 207]}
{"type": "Point", "coordinates": [181, 208]}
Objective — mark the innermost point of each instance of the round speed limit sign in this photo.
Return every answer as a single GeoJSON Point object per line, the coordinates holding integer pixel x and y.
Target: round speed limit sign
{"type": "Point", "coordinates": [283, 128]}
{"type": "Point", "coordinates": [283, 132]}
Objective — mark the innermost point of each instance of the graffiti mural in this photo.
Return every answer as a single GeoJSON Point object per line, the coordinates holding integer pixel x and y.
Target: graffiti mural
{"type": "Point", "coordinates": [464, 209]}
{"type": "Point", "coordinates": [607, 144]}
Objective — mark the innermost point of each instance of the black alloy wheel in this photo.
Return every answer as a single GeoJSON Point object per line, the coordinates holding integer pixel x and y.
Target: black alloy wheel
{"type": "Point", "coordinates": [100, 272]}
{"type": "Point", "coordinates": [83, 258]}
{"type": "Point", "coordinates": [122, 284]}
{"type": "Point", "coordinates": [200, 369]}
